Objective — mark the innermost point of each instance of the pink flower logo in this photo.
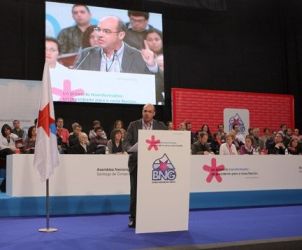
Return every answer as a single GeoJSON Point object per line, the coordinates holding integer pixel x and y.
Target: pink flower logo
{"type": "Point", "coordinates": [213, 171]}
{"type": "Point", "coordinates": [152, 143]}
{"type": "Point", "coordinates": [66, 94]}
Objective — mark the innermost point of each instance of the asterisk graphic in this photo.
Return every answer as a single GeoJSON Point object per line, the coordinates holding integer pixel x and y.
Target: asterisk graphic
{"type": "Point", "coordinates": [66, 94]}
{"type": "Point", "coordinates": [213, 171]}
{"type": "Point", "coordinates": [152, 143]}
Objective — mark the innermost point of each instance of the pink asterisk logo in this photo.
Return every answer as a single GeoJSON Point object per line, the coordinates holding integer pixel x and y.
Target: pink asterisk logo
{"type": "Point", "coordinates": [152, 143]}
{"type": "Point", "coordinates": [213, 171]}
{"type": "Point", "coordinates": [66, 94]}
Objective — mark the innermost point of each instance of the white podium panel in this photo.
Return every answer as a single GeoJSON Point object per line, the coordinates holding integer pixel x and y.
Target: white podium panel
{"type": "Point", "coordinates": [163, 181]}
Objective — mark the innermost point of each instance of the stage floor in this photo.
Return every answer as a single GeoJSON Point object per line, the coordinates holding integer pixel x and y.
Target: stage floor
{"type": "Point", "coordinates": [111, 231]}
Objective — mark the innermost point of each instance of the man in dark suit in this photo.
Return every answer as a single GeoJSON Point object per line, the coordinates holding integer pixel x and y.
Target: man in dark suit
{"type": "Point", "coordinates": [113, 55]}
{"type": "Point", "coordinates": [147, 122]}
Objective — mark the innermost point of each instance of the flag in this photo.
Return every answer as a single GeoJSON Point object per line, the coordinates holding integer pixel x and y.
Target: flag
{"type": "Point", "coordinates": [46, 156]}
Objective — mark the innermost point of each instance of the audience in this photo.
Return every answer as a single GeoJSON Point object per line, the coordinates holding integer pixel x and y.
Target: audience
{"type": "Point", "coordinates": [277, 147]}
{"type": "Point", "coordinates": [98, 142]}
{"type": "Point", "coordinates": [73, 138]}
{"type": "Point", "coordinates": [81, 146]}
{"type": "Point", "coordinates": [293, 147]}
{"type": "Point", "coordinates": [90, 37]}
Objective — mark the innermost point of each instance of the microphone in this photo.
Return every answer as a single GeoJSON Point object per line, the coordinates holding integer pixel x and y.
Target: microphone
{"type": "Point", "coordinates": [83, 59]}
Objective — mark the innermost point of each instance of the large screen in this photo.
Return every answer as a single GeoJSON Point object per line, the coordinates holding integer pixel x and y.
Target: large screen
{"type": "Point", "coordinates": [104, 55]}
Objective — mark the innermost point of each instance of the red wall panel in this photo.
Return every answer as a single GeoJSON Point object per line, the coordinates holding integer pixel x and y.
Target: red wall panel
{"type": "Point", "coordinates": [206, 106]}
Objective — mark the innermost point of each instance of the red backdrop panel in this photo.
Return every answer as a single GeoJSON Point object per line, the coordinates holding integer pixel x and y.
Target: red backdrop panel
{"type": "Point", "coordinates": [206, 106]}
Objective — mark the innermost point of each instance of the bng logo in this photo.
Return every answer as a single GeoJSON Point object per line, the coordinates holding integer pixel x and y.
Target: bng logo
{"type": "Point", "coordinates": [163, 169]}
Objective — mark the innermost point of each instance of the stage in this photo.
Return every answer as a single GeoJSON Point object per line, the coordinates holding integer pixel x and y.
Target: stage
{"type": "Point", "coordinates": [245, 228]}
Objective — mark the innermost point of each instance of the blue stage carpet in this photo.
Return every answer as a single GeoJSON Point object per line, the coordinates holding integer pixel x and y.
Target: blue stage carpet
{"type": "Point", "coordinates": [111, 231]}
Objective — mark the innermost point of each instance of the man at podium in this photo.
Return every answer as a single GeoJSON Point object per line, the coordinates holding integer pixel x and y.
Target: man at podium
{"type": "Point", "coordinates": [146, 122]}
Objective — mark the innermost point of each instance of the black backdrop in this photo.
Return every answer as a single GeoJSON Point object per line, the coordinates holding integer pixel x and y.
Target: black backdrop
{"type": "Point", "coordinates": [252, 45]}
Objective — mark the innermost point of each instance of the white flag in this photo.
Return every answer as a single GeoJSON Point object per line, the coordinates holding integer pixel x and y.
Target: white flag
{"type": "Point", "coordinates": [46, 149]}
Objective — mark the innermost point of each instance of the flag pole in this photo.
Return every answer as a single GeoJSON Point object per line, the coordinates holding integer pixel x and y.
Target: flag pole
{"type": "Point", "coordinates": [47, 229]}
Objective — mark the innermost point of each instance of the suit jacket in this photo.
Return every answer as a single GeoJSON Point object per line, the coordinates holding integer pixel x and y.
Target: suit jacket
{"type": "Point", "coordinates": [132, 61]}
{"type": "Point", "coordinates": [132, 138]}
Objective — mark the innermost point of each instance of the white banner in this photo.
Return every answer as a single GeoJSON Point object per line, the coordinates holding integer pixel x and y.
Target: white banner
{"type": "Point", "coordinates": [108, 174]}
{"type": "Point", "coordinates": [163, 181]}
{"type": "Point", "coordinates": [241, 117]}
{"type": "Point", "coordinates": [102, 87]}
{"type": "Point", "coordinates": [214, 173]}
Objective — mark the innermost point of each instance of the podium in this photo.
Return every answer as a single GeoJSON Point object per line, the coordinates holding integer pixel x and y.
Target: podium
{"type": "Point", "coordinates": [163, 181]}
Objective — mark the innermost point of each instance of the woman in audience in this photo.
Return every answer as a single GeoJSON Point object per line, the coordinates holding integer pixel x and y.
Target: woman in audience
{"type": "Point", "coordinates": [90, 37]}
{"type": "Point", "coordinates": [154, 40]}
{"type": "Point", "coordinates": [29, 146]}
{"type": "Point", "coordinates": [205, 128]}
{"type": "Point", "coordinates": [277, 147]}
{"type": "Point", "coordinates": [247, 148]}
{"type": "Point", "coordinates": [119, 124]}
{"type": "Point", "coordinates": [52, 52]}
{"type": "Point", "coordinates": [228, 148]}
{"type": "Point", "coordinates": [293, 147]}
{"type": "Point", "coordinates": [7, 147]}
{"type": "Point", "coordinates": [115, 144]}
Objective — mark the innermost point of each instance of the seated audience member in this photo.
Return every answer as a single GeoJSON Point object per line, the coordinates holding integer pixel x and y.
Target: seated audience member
{"type": "Point", "coordinates": [201, 147]}
{"type": "Point", "coordinates": [283, 129]}
{"type": "Point", "coordinates": [293, 147]}
{"type": "Point", "coordinates": [74, 136]}
{"type": "Point", "coordinates": [267, 135]}
{"type": "Point", "coordinates": [7, 147]}
{"type": "Point", "coordinates": [247, 148]}
{"type": "Point", "coordinates": [98, 143]}
{"type": "Point", "coordinates": [239, 137]}
{"type": "Point", "coordinates": [62, 135]}
{"type": "Point", "coordinates": [256, 139]}
{"type": "Point", "coordinates": [170, 125]}
{"type": "Point", "coordinates": [182, 126]}
{"type": "Point", "coordinates": [115, 144]}
{"type": "Point", "coordinates": [82, 146]}
{"type": "Point", "coordinates": [118, 124]}
{"type": "Point", "coordinates": [287, 137]}
{"type": "Point", "coordinates": [297, 135]}
{"type": "Point", "coordinates": [52, 52]}
{"type": "Point", "coordinates": [228, 148]}
{"type": "Point", "coordinates": [277, 147]}
{"type": "Point", "coordinates": [90, 37]}
{"type": "Point", "coordinates": [17, 130]}
{"type": "Point", "coordinates": [92, 133]}
{"type": "Point", "coordinates": [221, 132]}
{"type": "Point", "coordinates": [7, 141]}
{"type": "Point", "coordinates": [29, 145]}
{"type": "Point", "coordinates": [206, 128]}
{"type": "Point", "coordinates": [189, 128]}
{"type": "Point", "coordinates": [217, 141]}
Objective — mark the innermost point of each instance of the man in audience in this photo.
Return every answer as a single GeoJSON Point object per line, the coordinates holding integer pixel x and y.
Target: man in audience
{"type": "Point", "coordinates": [113, 55]}
{"type": "Point", "coordinates": [201, 147]}
{"type": "Point", "coordinates": [62, 134]}
{"type": "Point", "coordinates": [239, 137]}
{"type": "Point", "coordinates": [74, 136]}
{"type": "Point", "coordinates": [221, 132]}
{"type": "Point", "coordinates": [137, 28]}
{"type": "Point", "coordinates": [17, 130]}
{"type": "Point", "coordinates": [70, 38]}
{"type": "Point", "coordinates": [267, 135]}
{"type": "Point", "coordinates": [148, 123]}
{"type": "Point", "coordinates": [256, 139]}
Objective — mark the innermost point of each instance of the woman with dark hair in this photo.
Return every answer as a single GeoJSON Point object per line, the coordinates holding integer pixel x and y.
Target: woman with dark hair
{"type": "Point", "coordinates": [115, 144]}
{"type": "Point", "coordinates": [30, 141]}
{"type": "Point", "coordinates": [247, 148]}
{"type": "Point", "coordinates": [118, 124]}
{"type": "Point", "coordinates": [293, 147]}
{"type": "Point", "coordinates": [206, 128]}
{"type": "Point", "coordinates": [90, 37]}
{"type": "Point", "coordinates": [7, 147]}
